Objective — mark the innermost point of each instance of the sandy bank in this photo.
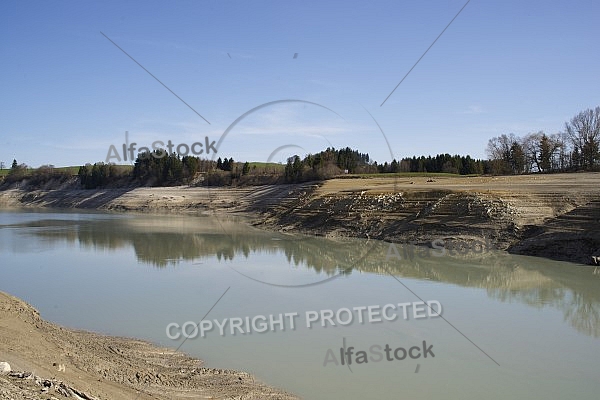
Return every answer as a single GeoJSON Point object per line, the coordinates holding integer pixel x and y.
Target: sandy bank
{"type": "Point", "coordinates": [49, 361]}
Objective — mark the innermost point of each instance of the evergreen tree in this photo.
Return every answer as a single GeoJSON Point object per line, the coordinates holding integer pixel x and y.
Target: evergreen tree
{"type": "Point", "coordinates": [246, 168]}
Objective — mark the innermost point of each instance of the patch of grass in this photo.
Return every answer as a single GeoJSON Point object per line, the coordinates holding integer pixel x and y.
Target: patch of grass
{"type": "Point", "coordinates": [265, 165]}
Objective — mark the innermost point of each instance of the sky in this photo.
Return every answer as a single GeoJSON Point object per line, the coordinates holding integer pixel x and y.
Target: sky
{"type": "Point", "coordinates": [67, 93]}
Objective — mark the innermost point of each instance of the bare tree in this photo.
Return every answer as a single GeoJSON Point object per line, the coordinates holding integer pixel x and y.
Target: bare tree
{"type": "Point", "coordinates": [498, 151]}
{"type": "Point", "coordinates": [506, 154]}
{"type": "Point", "coordinates": [563, 156]}
{"type": "Point", "coordinates": [584, 132]}
{"type": "Point", "coordinates": [542, 152]}
{"type": "Point", "coordinates": [530, 147]}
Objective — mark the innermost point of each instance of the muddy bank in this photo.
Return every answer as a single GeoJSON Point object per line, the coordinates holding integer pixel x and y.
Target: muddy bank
{"type": "Point", "coordinates": [553, 216]}
{"type": "Point", "coordinates": [49, 361]}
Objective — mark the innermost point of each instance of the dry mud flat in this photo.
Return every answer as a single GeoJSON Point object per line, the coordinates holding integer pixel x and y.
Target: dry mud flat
{"type": "Point", "coordinates": [51, 362]}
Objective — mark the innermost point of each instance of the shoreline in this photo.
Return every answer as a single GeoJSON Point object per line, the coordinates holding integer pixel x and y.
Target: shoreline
{"type": "Point", "coordinates": [48, 359]}
{"type": "Point", "coordinates": [553, 216]}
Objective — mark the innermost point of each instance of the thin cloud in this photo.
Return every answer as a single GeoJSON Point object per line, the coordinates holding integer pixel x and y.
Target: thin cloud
{"type": "Point", "coordinates": [474, 109]}
{"type": "Point", "coordinates": [292, 120]}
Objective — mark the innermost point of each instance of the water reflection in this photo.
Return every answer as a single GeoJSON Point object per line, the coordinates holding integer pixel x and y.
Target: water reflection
{"type": "Point", "coordinates": [164, 241]}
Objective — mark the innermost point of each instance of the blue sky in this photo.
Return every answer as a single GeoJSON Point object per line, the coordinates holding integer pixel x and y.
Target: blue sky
{"type": "Point", "coordinates": [67, 93]}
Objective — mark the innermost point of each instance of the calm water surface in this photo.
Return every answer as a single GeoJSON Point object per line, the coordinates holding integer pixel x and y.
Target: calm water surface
{"type": "Point", "coordinates": [132, 275]}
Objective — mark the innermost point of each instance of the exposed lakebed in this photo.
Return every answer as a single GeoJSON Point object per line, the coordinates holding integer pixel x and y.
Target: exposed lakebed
{"type": "Point", "coordinates": [133, 275]}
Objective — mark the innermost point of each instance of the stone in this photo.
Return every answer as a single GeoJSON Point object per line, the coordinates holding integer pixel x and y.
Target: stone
{"type": "Point", "coordinates": [4, 368]}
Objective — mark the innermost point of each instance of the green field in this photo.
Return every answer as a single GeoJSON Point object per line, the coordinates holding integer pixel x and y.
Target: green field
{"type": "Point", "coordinates": [69, 170]}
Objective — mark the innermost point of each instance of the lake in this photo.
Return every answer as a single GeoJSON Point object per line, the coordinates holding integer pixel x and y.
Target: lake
{"type": "Point", "coordinates": [510, 326]}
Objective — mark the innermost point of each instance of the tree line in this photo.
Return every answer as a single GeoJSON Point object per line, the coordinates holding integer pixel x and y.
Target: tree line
{"type": "Point", "coordinates": [576, 148]}
{"type": "Point", "coordinates": [156, 169]}
{"type": "Point", "coordinates": [332, 162]}
{"type": "Point", "coordinates": [35, 177]}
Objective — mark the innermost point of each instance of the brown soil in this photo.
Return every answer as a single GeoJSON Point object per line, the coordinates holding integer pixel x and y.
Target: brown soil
{"type": "Point", "coordinates": [103, 367]}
